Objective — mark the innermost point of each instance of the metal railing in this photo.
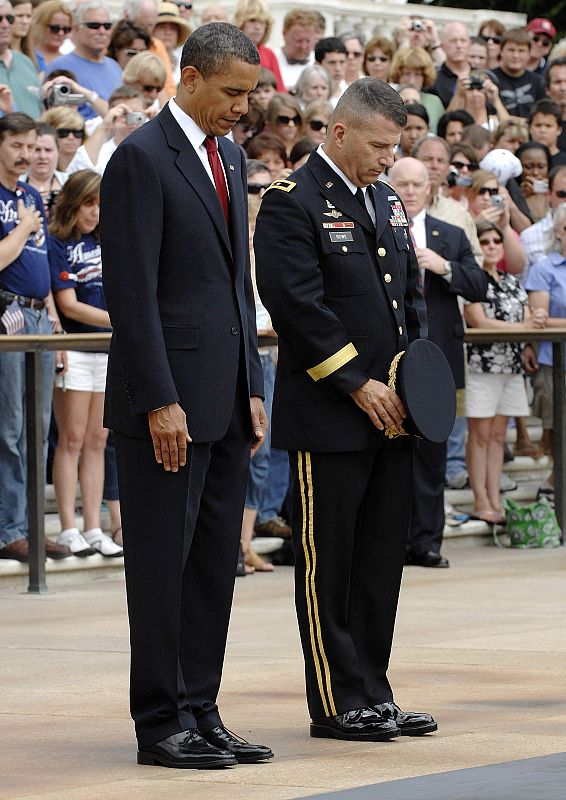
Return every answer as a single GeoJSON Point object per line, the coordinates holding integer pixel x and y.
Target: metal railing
{"type": "Point", "coordinates": [33, 346]}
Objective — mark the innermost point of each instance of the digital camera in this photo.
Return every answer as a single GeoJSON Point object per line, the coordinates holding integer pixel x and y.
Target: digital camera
{"type": "Point", "coordinates": [60, 95]}
{"type": "Point", "coordinates": [136, 118]}
{"type": "Point", "coordinates": [417, 25]}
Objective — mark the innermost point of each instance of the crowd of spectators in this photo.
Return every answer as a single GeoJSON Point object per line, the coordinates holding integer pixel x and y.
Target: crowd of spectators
{"type": "Point", "coordinates": [485, 142]}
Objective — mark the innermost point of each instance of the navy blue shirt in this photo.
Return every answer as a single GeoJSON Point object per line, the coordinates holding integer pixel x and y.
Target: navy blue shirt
{"type": "Point", "coordinates": [76, 264]}
{"type": "Point", "coordinates": [28, 274]}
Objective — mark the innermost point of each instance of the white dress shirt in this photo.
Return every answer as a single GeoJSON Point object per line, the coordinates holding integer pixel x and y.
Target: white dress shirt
{"type": "Point", "coordinates": [351, 186]}
{"type": "Point", "coordinates": [196, 137]}
{"type": "Point", "coordinates": [418, 229]}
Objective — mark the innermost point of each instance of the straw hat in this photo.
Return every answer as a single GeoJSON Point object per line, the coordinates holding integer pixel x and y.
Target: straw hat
{"type": "Point", "coordinates": [169, 12]}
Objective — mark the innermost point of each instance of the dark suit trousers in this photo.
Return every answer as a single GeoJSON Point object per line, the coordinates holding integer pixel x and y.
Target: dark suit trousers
{"type": "Point", "coordinates": [350, 522]}
{"type": "Point", "coordinates": [427, 524]}
{"type": "Point", "coordinates": [181, 537]}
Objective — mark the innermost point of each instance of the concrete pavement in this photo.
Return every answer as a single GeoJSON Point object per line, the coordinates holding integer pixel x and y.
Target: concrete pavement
{"type": "Point", "coordinates": [481, 645]}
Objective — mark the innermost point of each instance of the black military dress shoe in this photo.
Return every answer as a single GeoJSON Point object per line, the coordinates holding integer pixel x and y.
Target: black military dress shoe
{"type": "Point", "coordinates": [363, 724]}
{"type": "Point", "coordinates": [185, 750]}
{"type": "Point", "coordinates": [244, 752]}
{"type": "Point", "coordinates": [430, 559]}
{"type": "Point", "coordinates": [409, 723]}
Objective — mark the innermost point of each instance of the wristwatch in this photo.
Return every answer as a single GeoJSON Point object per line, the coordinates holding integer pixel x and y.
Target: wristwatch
{"type": "Point", "coordinates": [447, 270]}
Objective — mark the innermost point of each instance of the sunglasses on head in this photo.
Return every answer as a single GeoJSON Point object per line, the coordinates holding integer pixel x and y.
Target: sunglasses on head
{"type": "Point", "coordinates": [383, 59]}
{"type": "Point", "coordinates": [256, 188]}
{"type": "Point", "coordinates": [471, 167]}
{"type": "Point", "coordinates": [96, 26]}
{"type": "Point", "coordinates": [491, 241]}
{"type": "Point", "coordinates": [66, 29]}
{"type": "Point", "coordinates": [284, 120]}
{"type": "Point", "coordinates": [317, 124]}
{"type": "Point", "coordinates": [488, 190]}
{"type": "Point", "coordinates": [8, 17]}
{"type": "Point", "coordinates": [544, 40]}
{"type": "Point", "coordinates": [149, 89]}
{"type": "Point", "coordinates": [494, 39]}
{"type": "Point", "coordinates": [78, 133]}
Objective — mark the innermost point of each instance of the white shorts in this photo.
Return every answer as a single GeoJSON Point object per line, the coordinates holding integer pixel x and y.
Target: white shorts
{"type": "Point", "coordinates": [489, 394]}
{"type": "Point", "coordinates": [86, 372]}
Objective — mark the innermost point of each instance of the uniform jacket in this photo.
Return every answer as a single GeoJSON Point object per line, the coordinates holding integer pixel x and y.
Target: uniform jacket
{"type": "Point", "coordinates": [343, 298]}
{"type": "Point", "coordinates": [445, 324]}
{"type": "Point", "coordinates": [177, 285]}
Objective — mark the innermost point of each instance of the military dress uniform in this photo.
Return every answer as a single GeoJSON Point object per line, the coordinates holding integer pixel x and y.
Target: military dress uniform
{"type": "Point", "coordinates": [342, 291]}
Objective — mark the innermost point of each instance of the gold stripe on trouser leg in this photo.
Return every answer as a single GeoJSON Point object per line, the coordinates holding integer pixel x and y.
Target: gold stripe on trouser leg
{"type": "Point", "coordinates": [313, 587]}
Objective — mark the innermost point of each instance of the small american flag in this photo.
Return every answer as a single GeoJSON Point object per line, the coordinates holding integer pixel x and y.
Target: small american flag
{"type": "Point", "coordinates": [13, 319]}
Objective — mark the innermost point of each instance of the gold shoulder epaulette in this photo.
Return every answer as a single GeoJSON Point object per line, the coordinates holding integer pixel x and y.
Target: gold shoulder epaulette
{"type": "Point", "coordinates": [285, 186]}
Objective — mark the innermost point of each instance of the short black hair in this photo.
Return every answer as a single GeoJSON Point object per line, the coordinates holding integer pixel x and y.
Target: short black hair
{"type": "Point", "coordinates": [301, 149]}
{"type": "Point", "coordinates": [329, 45]}
{"type": "Point", "coordinates": [535, 146]}
{"type": "Point", "coordinates": [417, 110]}
{"type": "Point", "coordinates": [548, 107]}
{"type": "Point", "coordinates": [366, 97]}
{"type": "Point", "coordinates": [211, 49]}
{"type": "Point", "coordinates": [16, 122]}
{"type": "Point", "coordinates": [459, 115]}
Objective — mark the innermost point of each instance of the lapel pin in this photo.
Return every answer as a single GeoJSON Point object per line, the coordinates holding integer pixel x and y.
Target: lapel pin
{"type": "Point", "coordinates": [436, 233]}
{"type": "Point", "coordinates": [231, 167]}
{"type": "Point", "coordinates": [329, 184]}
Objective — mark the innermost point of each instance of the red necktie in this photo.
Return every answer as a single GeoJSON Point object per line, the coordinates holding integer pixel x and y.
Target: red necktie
{"type": "Point", "coordinates": [218, 175]}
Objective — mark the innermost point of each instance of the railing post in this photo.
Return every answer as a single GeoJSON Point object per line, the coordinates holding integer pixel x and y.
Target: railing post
{"type": "Point", "coordinates": [35, 472]}
{"type": "Point", "coordinates": [559, 448]}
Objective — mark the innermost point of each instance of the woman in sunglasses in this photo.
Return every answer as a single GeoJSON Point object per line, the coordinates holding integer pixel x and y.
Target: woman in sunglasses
{"type": "Point", "coordinates": [127, 41]}
{"type": "Point", "coordinates": [495, 387]}
{"type": "Point", "coordinates": [415, 67]}
{"type": "Point", "coordinates": [316, 118]}
{"type": "Point", "coordinates": [70, 127]}
{"type": "Point", "coordinates": [490, 202]}
{"type": "Point", "coordinates": [52, 23]}
{"type": "Point", "coordinates": [284, 118]}
{"type": "Point", "coordinates": [491, 31]}
{"type": "Point", "coordinates": [146, 73]}
{"type": "Point", "coordinates": [377, 57]}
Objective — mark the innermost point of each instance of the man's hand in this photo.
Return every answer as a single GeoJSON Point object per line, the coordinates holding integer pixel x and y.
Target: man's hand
{"type": "Point", "coordinates": [170, 435]}
{"type": "Point", "coordinates": [380, 403]}
{"type": "Point", "coordinates": [260, 423]}
{"type": "Point", "coordinates": [29, 217]}
{"type": "Point", "coordinates": [430, 260]}
{"type": "Point", "coordinates": [529, 359]}
{"type": "Point", "coordinates": [6, 99]}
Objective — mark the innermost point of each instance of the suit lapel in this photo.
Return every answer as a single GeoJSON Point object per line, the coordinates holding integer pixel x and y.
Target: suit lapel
{"type": "Point", "coordinates": [382, 211]}
{"type": "Point", "coordinates": [192, 169]}
{"type": "Point", "coordinates": [237, 199]}
{"type": "Point", "coordinates": [434, 241]}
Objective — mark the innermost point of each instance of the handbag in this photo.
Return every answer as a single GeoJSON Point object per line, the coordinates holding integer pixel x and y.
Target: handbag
{"type": "Point", "coordinates": [534, 525]}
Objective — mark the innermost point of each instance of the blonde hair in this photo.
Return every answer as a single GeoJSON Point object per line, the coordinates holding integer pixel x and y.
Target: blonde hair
{"type": "Point", "coordinates": [317, 107]}
{"type": "Point", "coordinates": [63, 117]}
{"type": "Point", "coordinates": [413, 58]}
{"type": "Point", "coordinates": [143, 67]}
{"type": "Point", "coordinates": [279, 101]}
{"type": "Point", "coordinates": [479, 179]}
{"type": "Point", "coordinates": [301, 16]}
{"type": "Point", "coordinates": [248, 10]}
{"type": "Point", "coordinates": [42, 15]}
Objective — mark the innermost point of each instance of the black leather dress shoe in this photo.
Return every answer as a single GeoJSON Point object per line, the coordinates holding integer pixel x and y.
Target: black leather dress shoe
{"type": "Point", "coordinates": [430, 559]}
{"type": "Point", "coordinates": [410, 723]}
{"type": "Point", "coordinates": [363, 724]}
{"type": "Point", "coordinates": [185, 750]}
{"type": "Point", "coordinates": [245, 752]}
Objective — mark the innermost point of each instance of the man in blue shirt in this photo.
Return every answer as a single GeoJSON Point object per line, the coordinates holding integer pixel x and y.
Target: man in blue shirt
{"type": "Point", "coordinates": [24, 287]}
{"type": "Point", "coordinates": [17, 71]}
{"type": "Point", "coordinates": [92, 69]}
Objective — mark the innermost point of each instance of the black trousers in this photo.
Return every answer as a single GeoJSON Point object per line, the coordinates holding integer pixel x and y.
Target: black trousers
{"type": "Point", "coordinates": [181, 537]}
{"type": "Point", "coordinates": [350, 522]}
{"type": "Point", "coordinates": [427, 524]}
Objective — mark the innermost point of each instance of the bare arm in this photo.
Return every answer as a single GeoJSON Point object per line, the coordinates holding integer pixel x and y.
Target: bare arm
{"type": "Point", "coordinates": [81, 312]}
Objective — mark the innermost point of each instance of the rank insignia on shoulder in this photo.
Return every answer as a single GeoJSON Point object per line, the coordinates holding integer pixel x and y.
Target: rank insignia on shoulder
{"type": "Point", "coordinates": [284, 185]}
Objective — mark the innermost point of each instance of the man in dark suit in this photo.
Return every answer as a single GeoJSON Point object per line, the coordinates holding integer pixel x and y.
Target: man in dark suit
{"type": "Point", "coordinates": [447, 269]}
{"type": "Point", "coordinates": [184, 393]}
{"type": "Point", "coordinates": [337, 273]}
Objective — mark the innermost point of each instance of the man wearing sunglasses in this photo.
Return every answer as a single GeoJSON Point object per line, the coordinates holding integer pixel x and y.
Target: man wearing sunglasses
{"type": "Point", "coordinates": [99, 74]}
{"type": "Point", "coordinates": [542, 33]}
{"type": "Point", "coordinates": [17, 71]}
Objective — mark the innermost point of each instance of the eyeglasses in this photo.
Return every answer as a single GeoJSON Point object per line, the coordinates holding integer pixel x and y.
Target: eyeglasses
{"type": "Point", "coordinates": [354, 54]}
{"type": "Point", "coordinates": [383, 59]}
{"type": "Point", "coordinates": [66, 29]}
{"type": "Point", "coordinates": [544, 40]}
{"type": "Point", "coordinates": [8, 17]}
{"type": "Point", "coordinates": [494, 39]}
{"type": "Point", "coordinates": [247, 128]}
{"type": "Point", "coordinates": [317, 125]}
{"type": "Point", "coordinates": [284, 120]}
{"type": "Point", "coordinates": [188, 6]}
{"type": "Point", "coordinates": [78, 133]}
{"type": "Point", "coordinates": [256, 188]}
{"type": "Point", "coordinates": [96, 26]}
{"type": "Point", "coordinates": [560, 193]}
{"type": "Point", "coordinates": [488, 190]}
{"type": "Point", "coordinates": [471, 167]}
{"type": "Point", "coordinates": [484, 242]}
{"type": "Point", "coordinates": [149, 89]}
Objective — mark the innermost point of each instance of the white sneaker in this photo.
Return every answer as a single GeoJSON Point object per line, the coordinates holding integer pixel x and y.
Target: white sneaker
{"type": "Point", "coordinates": [102, 543]}
{"type": "Point", "coordinates": [76, 543]}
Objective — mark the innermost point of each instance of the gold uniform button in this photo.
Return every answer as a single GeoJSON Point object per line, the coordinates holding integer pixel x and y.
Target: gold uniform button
{"type": "Point", "coordinates": [400, 331]}
{"type": "Point", "coordinates": [387, 278]}
{"type": "Point", "coordinates": [394, 304]}
{"type": "Point", "coordinates": [344, 248]}
{"type": "Point", "coordinates": [382, 252]}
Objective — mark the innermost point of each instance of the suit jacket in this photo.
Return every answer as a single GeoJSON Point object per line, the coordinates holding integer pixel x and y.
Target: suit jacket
{"type": "Point", "coordinates": [445, 324]}
{"type": "Point", "coordinates": [177, 285]}
{"type": "Point", "coordinates": [343, 298]}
